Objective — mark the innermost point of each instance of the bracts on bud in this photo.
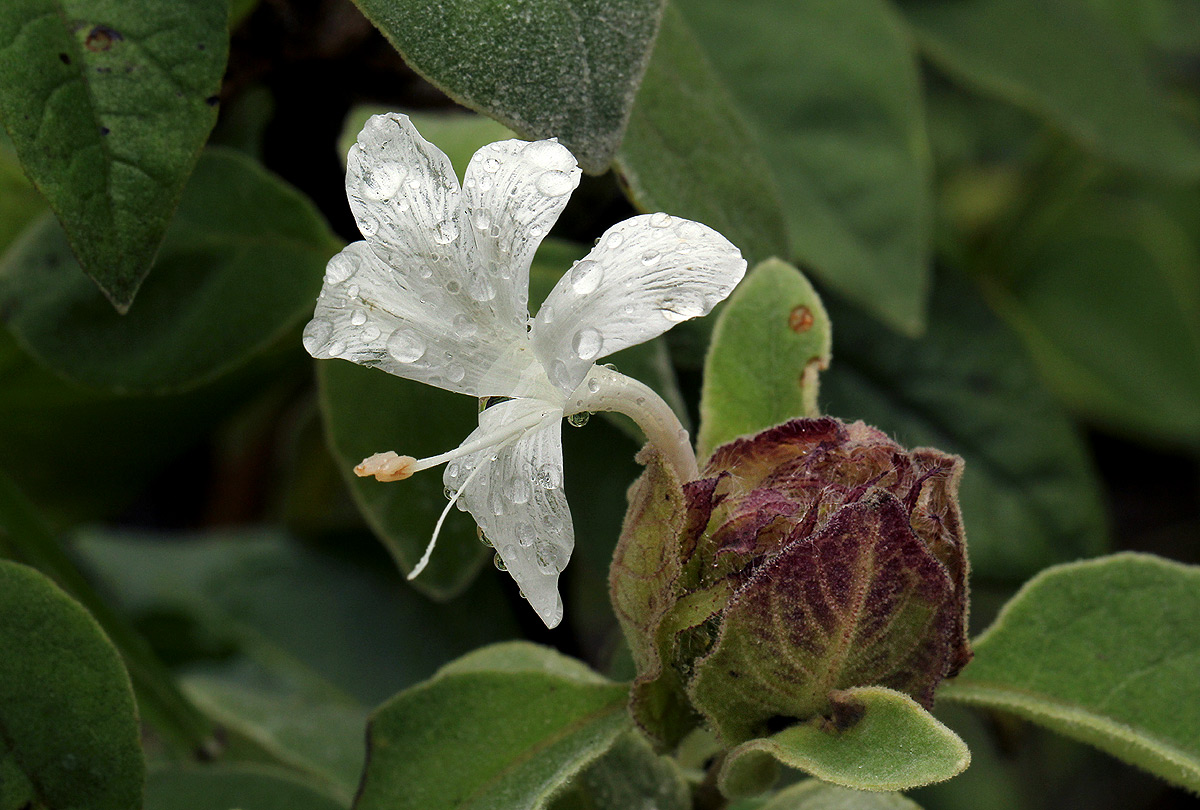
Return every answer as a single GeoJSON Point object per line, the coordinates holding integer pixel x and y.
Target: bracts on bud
{"type": "Point", "coordinates": [812, 557]}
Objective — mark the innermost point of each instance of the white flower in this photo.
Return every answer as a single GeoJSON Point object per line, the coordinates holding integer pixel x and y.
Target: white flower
{"type": "Point", "coordinates": [438, 292]}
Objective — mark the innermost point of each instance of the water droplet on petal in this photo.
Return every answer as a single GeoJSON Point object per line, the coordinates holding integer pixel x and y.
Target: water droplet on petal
{"type": "Point", "coordinates": [587, 343]}
{"type": "Point", "coordinates": [447, 232]}
{"type": "Point", "coordinates": [371, 333]}
{"type": "Point", "coordinates": [547, 556]}
{"type": "Point", "coordinates": [535, 231]}
{"type": "Point", "coordinates": [485, 182]}
{"type": "Point", "coordinates": [463, 326]}
{"type": "Point", "coordinates": [586, 276]}
{"type": "Point", "coordinates": [579, 419]}
{"type": "Point", "coordinates": [340, 268]}
{"type": "Point", "coordinates": [561, 374]}
{"type": "Point", "coordinates": [525, 535]}
{"type": "Point", "coordinates": [455, 373]}
{"type": "Point", "coordinates": [316, 335]}
{"type": "Point", "coordinates": [650, 257]}
{"type": "Point", "coordinates": [453, 287]}
{"type": "Point", "coordinates": [549, 155]}
{"type": "Point", "coordinates": [499, 563]}
{"type": "Point", "coordinates": [614, 240]}
{"type": "Point", "coordinates": [660, 220]}
{"type": "Point", "coordinates": [491, 165]}
{"type": "Point", "coordinates": [483, 538]}
{"type": "Point", "coordinates": [353, 290]}
{"type": "Point", "coordinates": [406, 346]}
{"type": "Point", "coordinates": [549, 476]}
{"type": "Point", "coordinates": [594, 386]}
{"type": "Point", "coordinates": [336, 349]}
{"type": "Point", "coordinates": [681, 306]}
{"type": "Point", "coordinates": [358, 317]}
{"type": "Point", "coordinates": [452, 470]}
{"type": "Point", "coordinates": [482, 220]}
{"type": "Point", "coordinates": [481, 289]}
{"type": "Point", "coordinates": [382, 181]}
{"type": "Point", "coordinates": [555, 183]}
{"type": "Point", "coordinates": [368, 225]}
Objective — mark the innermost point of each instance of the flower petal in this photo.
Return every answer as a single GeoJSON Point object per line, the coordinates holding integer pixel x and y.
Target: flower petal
{"type": "Point", "coordinates": [381, 318]}
{"type": "Point", "coordinates": [513, 192]}
{"type": "Point", "coordinates": [645, 275]}
{"type": "Point", "coordinates": [518, 499]}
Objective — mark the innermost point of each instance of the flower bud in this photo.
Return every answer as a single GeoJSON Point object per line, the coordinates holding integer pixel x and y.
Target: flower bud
{"type": "Point", "coordinates": [813, 557]}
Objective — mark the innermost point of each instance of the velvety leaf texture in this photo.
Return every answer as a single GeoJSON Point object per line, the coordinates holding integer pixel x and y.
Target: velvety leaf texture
{"type": "Point", "coordinates": [241, 265]}
{"type": "Point", "coordinates": [67, 715]}
{"type": "Point", "coordinates": [545, 68]}
{"type": "Point", "coordinates": [524, 732]}
{"type": "Point", "coordinates": [771, 340]}
{"type": "Point", "coordinates": [687, 150]}
{"type": "Point", "coordinates": [816, 795]}
{"type": "Point", "coordinates": [224, 786]}
{"type": "Point", "coordinates": [863, 601]}
{"type": "Point", "coordinates": [1106, 652]}
{"type": "Point", "coordinates": [875, 739]}
{"type": "Point", "coordinates": [108, 103]}
{"type": "Point", "coordinates": [831, 88]}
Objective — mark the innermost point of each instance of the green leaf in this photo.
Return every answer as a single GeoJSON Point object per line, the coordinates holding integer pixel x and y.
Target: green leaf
{"type": "Point", "coordinates": [25, 538]}
{"type": "Point", "coordinates": [458, 134]}
{"type": "Point", "coordinates": [1029, 494]}
{"type": "Point", "coordinates": [568, 70]}
{"type": "Point", "coordinates": [882, 741]}
{"type": "Point", "coordinates": [1133, 374]}
{"type": "Point", "coordinates": [815, 795]}
{"type": "Point", "coordinates": [688, 151]}
{"type": "Point", "coordinates": [522, 656]}
{"type": "Point", "coordinates": [1061, 61]}
{"type": "Point", "coordinates": [770, 342]}
{"type": "Point", "coordinates": [861, 601]}
{"type": "Point", "coordinates": [20, 204]}
{"type": "Point", "coordinates": [845, 136]}
{"type": "Point", "coordinates": [224, 786]}
{"type": "Point", "coordinates": [108, 103]}
{"type": "Point", "coordinates": [499, 738]}
{"type": "Point", "coordinates": [67, 714]}
{"type": "Point", "coordinates": [240, 266]}
{"type": "Point", "coordinates": [1105, 652]}
{"type": "Point", "coordinates": [629, 776]}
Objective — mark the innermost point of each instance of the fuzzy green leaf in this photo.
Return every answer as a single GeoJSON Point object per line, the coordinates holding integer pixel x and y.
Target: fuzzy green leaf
{"type": "Point", "coordinates": [222, 787]}
{"type": "Point", "coordinates": [1030, 496]}
{"type": "Point", "coordinates": [241, 265]}
{"type": "Point", "coordinates": [1062, 61]}
{"type": "Point", "coordinates": [844, 135]}
{"type": "Point", "coordinates": [523, 733]}
{"type": "Point", "coordinates": [546, 68]}
{"type": "Point", "coordinates": [770, 341]}
{"type": "Point", "coordinates": [688, 151]}
{"type": "Point", "coordinates": [1106, 652]}
{"type": "Point", "coordinates": [629, 776]}
{"type": "Point", "coordinates": [67, 715]}
{"type": "Point", "coordinates": [884, 741]}
{"type": "Point", "coordinates": [816, 795]}
{"type": "Point", "coordinates": [862, 601]}
{"type": "Point", "coordinates": [108, 103]}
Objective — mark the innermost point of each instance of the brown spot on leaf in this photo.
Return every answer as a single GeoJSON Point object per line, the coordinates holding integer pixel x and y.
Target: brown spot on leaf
{"type": "Point", "coordinates": [800, 319]}
{"type": "Point", "coordinates": [101, 38]}
{"type": "Point", "coordinates": [66, 60]}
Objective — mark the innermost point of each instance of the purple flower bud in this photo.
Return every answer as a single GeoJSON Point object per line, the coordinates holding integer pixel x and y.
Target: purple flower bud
{"type": "Point", "coordinates": [812, 557]}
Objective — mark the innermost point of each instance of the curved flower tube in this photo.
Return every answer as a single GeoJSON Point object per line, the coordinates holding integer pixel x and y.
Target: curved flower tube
{"type": "Point", "coordinates": [438, 292]}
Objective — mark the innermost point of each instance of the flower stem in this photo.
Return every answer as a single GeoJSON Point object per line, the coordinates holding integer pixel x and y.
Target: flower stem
{"type": "Point", "coordinates": [608, 390]}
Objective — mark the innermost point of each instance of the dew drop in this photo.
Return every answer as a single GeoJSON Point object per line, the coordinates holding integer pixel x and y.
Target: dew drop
{"type": "Point", "coordinates": [594, 386]}
{"type": "Point", "coordinates": [660, 220]}
{"type": "Point", "coordinates": [579, 419]}
{"type": "Point", "coordinates": [424, 271]}
{"type": "Point", "coordinates": [447, 232]}
{"type": "Point", "coordinates": [368, 225]}
{"type": "Point", "coordinates": [485, 182]}
{"type": "Point", "coordinates": [480, 289]}
{"type": "Point", "coordinates": [586, 276]}
{"type": "Point", "coordinates": [650, 257]}
{"type": "Point", "coordinates": [587, 343]}
{"type": "Point", "coordinates": [560, 373]}
{"type": "Point", "coordinates": [518, 490]}
{"type": "Point", "coordinates": [498, 561]}
{"type": "Point", "coordinates": [483, 538]}
{"type": "Point", "coordinates": [405, 346]}
{"type": "Point", "coordinates": [353, 290]}
{"type": "Point", "coordinates": [681, 307]}
{"type": "Point", "coordinates": [452, 469]}
{"type": "Point", "coordinates": [358, 317]}
{"type": "Point", "coordinates": [413, 184]}
{"type": "Point", "coordinates": [549, 155]}
{"type": "Point", "coordinates": [525, 535]}
{"type": "Point", "coordinates": [491, 165]}
{"type": "Point", "coordinates": [614, 240]}
{"type": "Point", "coordinates": [549, 476]}
{"type": "Point", "coordinates": [455, 373]}
{"type": "Point", "coordinates": [535, 231]}
{"type": "Point", "coordinates": [453, 287]}
{"type": "Point", "coordinates": [336, 349]}
{"type": "Point", "coordinates": [382, 181]}
{"type": "Point", "coordinates": [482, 220]}
{"type": "Point", "coordinates": [316, 335]}
{"type": "Point", "coordinates": [547, 557]}
{"type": "Point", "coordinates": [371, 333]}
{"type": "Point", "coordinates": [340, 268]}
{"type": "Point", "coordinates": [463, 326]}
{"type": "Point", "coordinates": [555, 183]}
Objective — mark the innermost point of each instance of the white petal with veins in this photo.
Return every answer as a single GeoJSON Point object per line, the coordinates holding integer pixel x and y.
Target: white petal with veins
{"type": "Point", "coordinates": [645, 275]}
{"type": "Point", "coordinates": [518, 499]}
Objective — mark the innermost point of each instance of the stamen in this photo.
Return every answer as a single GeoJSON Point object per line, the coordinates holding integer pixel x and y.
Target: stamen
{"type": "Point", "coordinates": [437, 529]}
{"type": "Point", "coordinates": [389, 466]}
